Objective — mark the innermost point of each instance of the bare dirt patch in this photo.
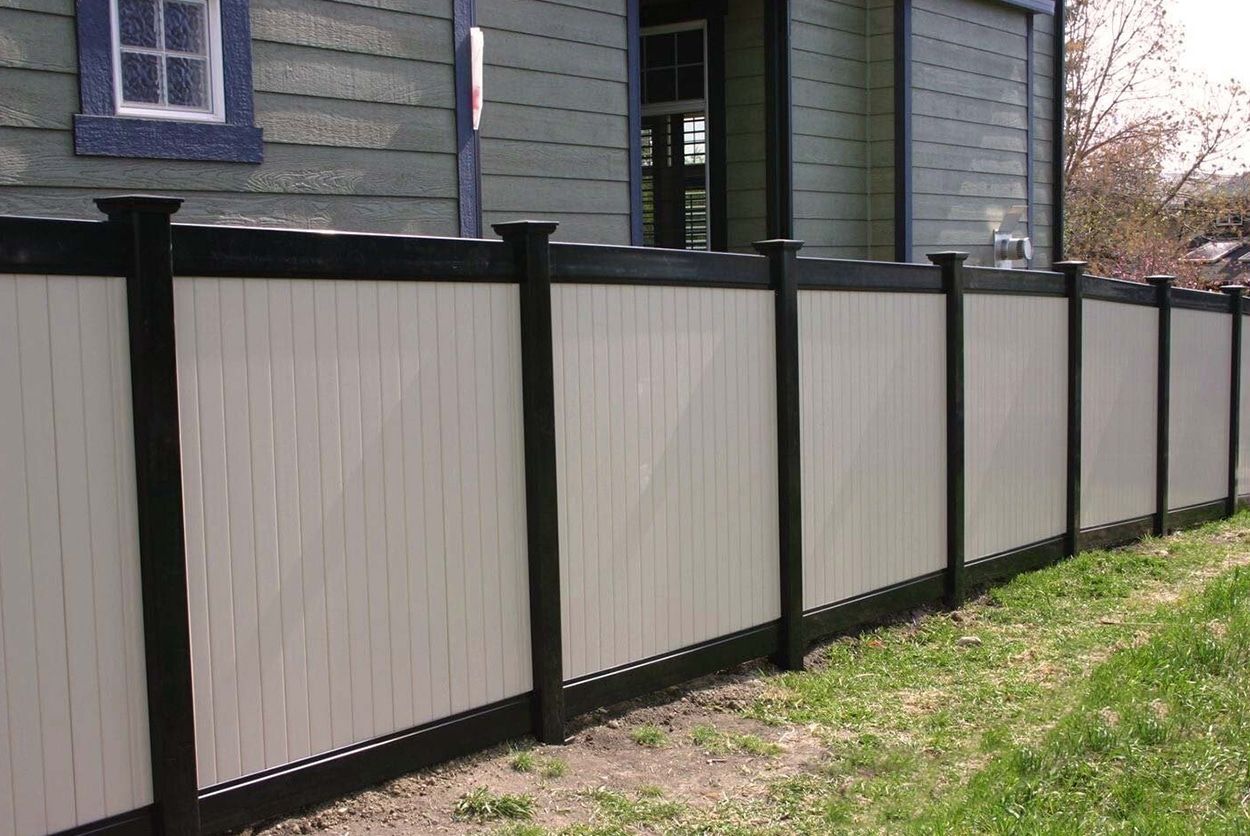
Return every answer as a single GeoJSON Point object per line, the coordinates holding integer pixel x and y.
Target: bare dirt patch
{"type": "Point", "coordinates": [600, 753]}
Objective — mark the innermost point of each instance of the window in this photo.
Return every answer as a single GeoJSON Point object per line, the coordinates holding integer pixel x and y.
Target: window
{"type": "Point", "coordinates": [168, 59]}
{"type": "Point", "coordinates": [674, 137]}
{"type": "Point", "coordinates": [166, 79]}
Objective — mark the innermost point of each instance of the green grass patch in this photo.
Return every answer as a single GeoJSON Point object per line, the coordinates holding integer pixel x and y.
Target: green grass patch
{"type": "Point", "coordinates": [716, 742]}
{"type": "Point", "coordinates": [482, 805]}
{"type": "Point", "coordinates": [523, 761]}
{"type": "Point", "coordinates": [653, 737]}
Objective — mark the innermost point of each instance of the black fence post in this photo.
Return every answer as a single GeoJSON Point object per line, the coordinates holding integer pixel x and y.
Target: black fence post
{"type": "Point", "coordinates": [952, 264]}
{"type": "Point", "coordinates": [145, 223]}
{"type": "Point", "coordinates": [782, 255]}
{"type": "Point", "coordinates": [1074, 272]}
{"type": "Point", "coordinates": [531, 247]}
{"type": "Point", "coordinates": [1236, 295]}
{"type": "Point", "coordinates": [1163, 298]}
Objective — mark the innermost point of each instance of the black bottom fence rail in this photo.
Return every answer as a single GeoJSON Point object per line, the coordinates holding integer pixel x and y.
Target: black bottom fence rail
{"type": "Point", "coordinates": [140, 244]}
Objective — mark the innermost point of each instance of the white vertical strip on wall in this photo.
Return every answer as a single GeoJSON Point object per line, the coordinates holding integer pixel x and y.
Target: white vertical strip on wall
{"type": "Point", "coordinates": [1198, 440]}
{"type": "Point", "coordinates": [872, 373]}
{"type": "Point", "coordinates": [1243, 453]}
{"type": "Point", "coordinates": [1016, 373]}
{"type": "Point", "coordinates": [73, 701]}
{"type": "Point", "coordinates": [1119, 385]}
{"type": "Point", "coordinates": [354, 479]}
{"type": "Point", "coordinates": [666, 438]}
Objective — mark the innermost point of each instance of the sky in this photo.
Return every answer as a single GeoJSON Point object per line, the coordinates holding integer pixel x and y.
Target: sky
{"type": "Point", "coordinates": [1217, 42]}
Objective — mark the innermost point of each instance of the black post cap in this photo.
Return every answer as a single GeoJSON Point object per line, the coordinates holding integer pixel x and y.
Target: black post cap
{"type": "Point", "coordinates": [1160, 281]}
{"type": "Point", "coordinates": [772, 245]}
{"type": "Point", "coordinates": [1233, 289]}
{"type": "Point", "coordinates": [514, 229]}
{"type": "Point", "coordinates": [120, 204]}
{"type": "Point", "coordinates": [947, 257]}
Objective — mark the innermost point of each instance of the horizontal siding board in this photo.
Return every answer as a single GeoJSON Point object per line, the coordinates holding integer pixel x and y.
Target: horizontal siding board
{"type": "Point", "coordinates": [288, 169]}
{"type": "Point", "coordinates": [34, 41]}
{"type": "Point", "coordinates": [342, 27]}
{"type": "Point", "coordinates": [301, 70]}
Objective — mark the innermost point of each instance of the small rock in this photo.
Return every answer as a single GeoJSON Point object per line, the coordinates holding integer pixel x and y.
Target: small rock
{"type": "Point", "coordinates": [969, 641]}
{"type": "Point", "coordinates": [614, 724]}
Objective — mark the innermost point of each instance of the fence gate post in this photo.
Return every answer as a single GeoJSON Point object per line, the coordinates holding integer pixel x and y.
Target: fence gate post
{"type": "Point", "coordinates": [1073, 272]}
{"type": "Point", "coordinates": [145, 221]}
{"type": "Point", "coordinates": [782, 255]}
{"type": "Point", "coordinates": [952, 264]}
{"type": "Point", "coordinates": [531, 248]}
{"type": "Point", "coordinates": [1163, 298]}
{"type": "Point", "coordinates": [1235, 292]}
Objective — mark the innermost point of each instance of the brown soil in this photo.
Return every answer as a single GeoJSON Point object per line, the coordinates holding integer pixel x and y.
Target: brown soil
{"type": "Point", "coordinates": [600, 753]}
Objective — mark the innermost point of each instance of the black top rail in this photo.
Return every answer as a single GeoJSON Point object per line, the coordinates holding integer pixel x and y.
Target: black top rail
{"type": "Point", "coordinates": [1014, 282]}
{"type": "Point", "coordinates": [1200, 300]}
{"type": "Point", "coordinates": [249, 252]}
{"type": "Point", "coordinates": [1118, 290]}
{"type": "Point", "coordinates": [61, 247]}
{"type": "Point", "coordinates": [844, 274]}
{"type": "Point", "coordinates": [602, 264]}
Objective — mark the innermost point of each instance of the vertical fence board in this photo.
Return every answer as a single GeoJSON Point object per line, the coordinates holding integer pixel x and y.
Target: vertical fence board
{"type": "Point", "coordinates": [1243, 454]}
{"type": "Point", "coordinates": [873, 434]}
{"type": "Point", "coordinates": [1198, 439]}
{"type": "Point", "coordinates": [1016, 425]}
{"type": "Point", "coordinates": [355, 510]}
{"type": "Point", "coordinates": [668, 485]}
{"type": "Point", "coordinates": [1118, 412]}
{"type": "Point", "coordinates": [73, 739]}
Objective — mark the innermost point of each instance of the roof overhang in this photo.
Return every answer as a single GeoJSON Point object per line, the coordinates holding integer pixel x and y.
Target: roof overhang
{"type": "Point", "coordinates": [1046, 7]}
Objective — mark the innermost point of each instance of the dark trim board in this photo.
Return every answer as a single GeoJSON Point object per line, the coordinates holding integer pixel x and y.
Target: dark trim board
{"type": "Point", "coordinates": [1117, 534]}
{"type": "Point", "coordinates": [823, 622]}
{"type": "Point", "coordinates": [286, 789]}
{"type": "Point", "coordinates": [1030, 137]}
{"type": "Point", "coordinates": [468, 146]}
{"type": "Point", "coordinates": [1193, 515]}
{"type": "Point", "coordinates": [634, 679]}
{"type": "Point", "coordinates": [778, 129]}
{"type": "Point", "coordinates": [1046, 7]}
{"type": "Point", "coordinates": [61, 247]}
{"type": "Point", "coordinates": [249, 252]}
{"type": "Point", "coordinates": [997, 567]}
{"type": "Point", "coordinates": [903, 221]}
{"type": "Point", "coordinates": [633, 61]}
{"type": "Point", "coordinates": [1058, 94]}
{"type": "Point", "coordinates": [134, 823]}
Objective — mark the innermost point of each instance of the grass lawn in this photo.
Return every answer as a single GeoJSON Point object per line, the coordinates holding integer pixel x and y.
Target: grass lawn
{"type": "Point", "coordinates": [1107, 694]}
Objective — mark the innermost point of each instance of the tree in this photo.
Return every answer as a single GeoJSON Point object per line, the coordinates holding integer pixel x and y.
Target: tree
{"type": "Point", "coordinates": [1141, 138]}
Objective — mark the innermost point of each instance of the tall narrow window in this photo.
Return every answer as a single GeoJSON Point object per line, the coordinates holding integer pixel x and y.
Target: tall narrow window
{"type": "Point", "coordinates": [675, 209]}
{"type": "Point", "coordinates": [168, 59]}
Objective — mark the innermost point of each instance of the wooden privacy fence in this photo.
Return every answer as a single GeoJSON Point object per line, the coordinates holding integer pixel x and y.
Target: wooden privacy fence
{"type": "Point", "coordinates": [284, 513]}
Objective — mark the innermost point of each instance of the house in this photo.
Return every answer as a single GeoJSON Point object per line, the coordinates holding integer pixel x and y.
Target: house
{"type": "Point", "coordinates": [879, 129]}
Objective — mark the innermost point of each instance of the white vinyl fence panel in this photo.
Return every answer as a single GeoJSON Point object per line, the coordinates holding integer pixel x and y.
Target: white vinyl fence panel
{"type": "Point", "coordinates": [872, 372]}
{"type": "Point", "coordinates": [666, 445]}
{"type": "Point", "coordinates": [1016, 401]}
{"type": "Point", "coordinates": [354, 489]}
{"type": "Point", "coordinates": [73, 703]}
{"type": "Point", "coordinates": [1198, 418]}
{"type": "Point", "coordinates": [1120, 384]}
{"type": "Point", "coordinates": [1243, 436]}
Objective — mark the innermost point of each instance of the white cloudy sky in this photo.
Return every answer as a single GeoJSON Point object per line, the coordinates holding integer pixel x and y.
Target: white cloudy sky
{"type": "Point", "coordinates": [1217, 42]}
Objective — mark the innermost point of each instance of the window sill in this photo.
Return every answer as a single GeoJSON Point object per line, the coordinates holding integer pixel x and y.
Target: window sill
{"type": "Point", "coordinates": [161, 139]}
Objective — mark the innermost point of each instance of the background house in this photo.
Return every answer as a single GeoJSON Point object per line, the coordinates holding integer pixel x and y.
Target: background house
{"type": "Point", "coordinates": [876, 129]}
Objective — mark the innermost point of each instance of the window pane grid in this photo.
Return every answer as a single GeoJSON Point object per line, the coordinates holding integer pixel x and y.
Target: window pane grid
{"type": "Point", "coordinates": [163, 54]}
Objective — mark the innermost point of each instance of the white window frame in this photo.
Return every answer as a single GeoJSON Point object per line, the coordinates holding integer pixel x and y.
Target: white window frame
{"type": "Point", "coordinates": [216, 74]}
